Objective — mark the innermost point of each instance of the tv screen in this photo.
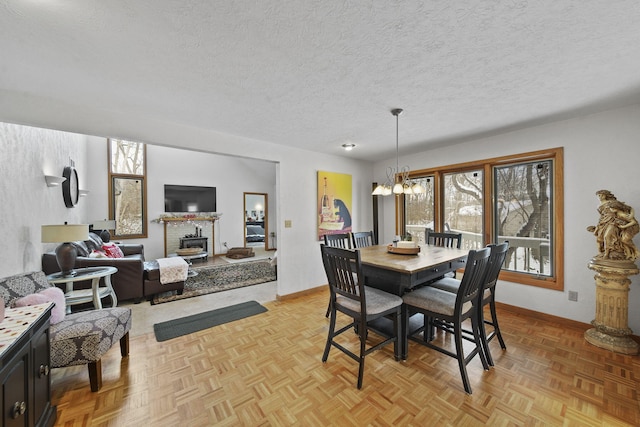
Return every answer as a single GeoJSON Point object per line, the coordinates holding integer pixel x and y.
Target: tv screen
{"type": "Point", "coordinates": [189, 198]}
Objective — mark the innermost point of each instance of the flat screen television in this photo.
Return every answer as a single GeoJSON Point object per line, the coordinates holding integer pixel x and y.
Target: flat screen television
{"type": "Point", "coordinates": [189, 198]}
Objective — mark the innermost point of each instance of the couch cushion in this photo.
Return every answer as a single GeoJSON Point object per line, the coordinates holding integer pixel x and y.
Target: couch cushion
{"type": "Point", "coordinates": [20, 285]}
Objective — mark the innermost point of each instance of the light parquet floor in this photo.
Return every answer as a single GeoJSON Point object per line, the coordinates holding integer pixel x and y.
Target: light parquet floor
{"type": "Point", "coordinates": [266, 370]}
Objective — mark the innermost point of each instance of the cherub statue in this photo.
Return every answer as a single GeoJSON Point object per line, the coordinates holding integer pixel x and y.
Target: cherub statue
{"type": "Point", "coordinates": [615, 229]}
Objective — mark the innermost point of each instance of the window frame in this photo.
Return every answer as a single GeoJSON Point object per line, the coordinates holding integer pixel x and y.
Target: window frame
{"type": "Point", "coordinates": [112, 176]}
{"type": "Point", "coordinates": [556, 155]}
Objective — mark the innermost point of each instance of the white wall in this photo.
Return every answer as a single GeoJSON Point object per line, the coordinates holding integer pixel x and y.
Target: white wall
{"type": "Point", "coordinates": [601, 151]}
{"type": "Point", "coordinates": [26, 203]}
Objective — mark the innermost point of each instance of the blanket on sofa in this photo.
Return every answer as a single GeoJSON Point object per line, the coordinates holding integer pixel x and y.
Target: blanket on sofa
{"type": "Point", "coordinates": [173, 269]}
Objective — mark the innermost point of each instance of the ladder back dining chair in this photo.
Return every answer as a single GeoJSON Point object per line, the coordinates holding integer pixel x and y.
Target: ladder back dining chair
{"type": "Point", "coordinates": [446, 311]}
{"type": "Point", "coordinates": [338, 240]}
{"type": "Point", "coordinates": [362, 239]}
{"type": "Point", "coordinates": [486, 297]}
{"type": "Point", "coordinates": [362, 304]}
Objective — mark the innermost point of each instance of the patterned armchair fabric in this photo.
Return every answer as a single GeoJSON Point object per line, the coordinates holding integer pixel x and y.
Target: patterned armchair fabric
{"type": "Point", "coordinates": [81, 338]}
{"type": "Point", "coordinates": [20, 285]}
{"type": "Point", "coordinates": [86, 336]}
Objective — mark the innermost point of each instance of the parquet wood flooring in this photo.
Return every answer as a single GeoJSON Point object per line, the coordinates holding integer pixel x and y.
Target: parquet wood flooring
{"type": "Point", "coordinates": [266, 370]}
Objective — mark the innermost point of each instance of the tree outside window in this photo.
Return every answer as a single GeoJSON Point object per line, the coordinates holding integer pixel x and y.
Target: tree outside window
{"type": "Point", "coordinates": [518, 198]}
{"type": "Point", "coordinates": [127, 189]}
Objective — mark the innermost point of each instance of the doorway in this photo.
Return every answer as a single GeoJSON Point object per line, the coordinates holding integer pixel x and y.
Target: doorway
{"type": "Point", "coordinates": [256, 220]}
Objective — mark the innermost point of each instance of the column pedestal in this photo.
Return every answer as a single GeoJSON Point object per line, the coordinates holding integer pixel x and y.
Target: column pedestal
{"type": "Point", "coordinates": [611, 330]}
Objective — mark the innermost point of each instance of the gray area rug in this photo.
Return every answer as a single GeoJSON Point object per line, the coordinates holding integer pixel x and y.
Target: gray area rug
{"type": "Point", "coordinates": [187, 325]}
{"type": "Point", "coordinates": [219, 278]}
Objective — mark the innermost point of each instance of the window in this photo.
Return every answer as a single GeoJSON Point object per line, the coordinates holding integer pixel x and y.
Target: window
{"type": "Point", "coordinates": [462, 206]}
{"type": "Point", "coordinates": [516, 198]}
{"type": "Point", "coordinates": [419, 212]}
{"type": "Point", "coordinates": [127, 188]}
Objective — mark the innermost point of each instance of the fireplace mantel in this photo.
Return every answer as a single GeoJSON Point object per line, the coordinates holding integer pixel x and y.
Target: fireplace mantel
{"type": "Point", "coordinates": [176, 221]}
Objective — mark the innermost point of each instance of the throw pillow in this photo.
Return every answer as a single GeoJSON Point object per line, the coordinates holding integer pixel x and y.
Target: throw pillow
{"type": "Point", "coordinates": [112, 250]}
{"type": "Point", "coordinates": [52, 294]}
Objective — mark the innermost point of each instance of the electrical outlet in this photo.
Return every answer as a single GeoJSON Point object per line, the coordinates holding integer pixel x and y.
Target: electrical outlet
{"type": "Point", "coordinates": [573, 296]}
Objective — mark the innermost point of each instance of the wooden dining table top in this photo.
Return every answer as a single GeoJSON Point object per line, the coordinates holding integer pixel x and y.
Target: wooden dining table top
{"type": "Point", "coordinates": [429, 256]}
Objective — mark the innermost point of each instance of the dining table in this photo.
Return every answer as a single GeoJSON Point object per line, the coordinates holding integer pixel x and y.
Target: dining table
{"type": "Point", "coordinates": [398, 272]}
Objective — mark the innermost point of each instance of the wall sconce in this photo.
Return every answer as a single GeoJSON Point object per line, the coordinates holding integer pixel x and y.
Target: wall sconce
{"type": "Point", "coordinates": [54, 181]}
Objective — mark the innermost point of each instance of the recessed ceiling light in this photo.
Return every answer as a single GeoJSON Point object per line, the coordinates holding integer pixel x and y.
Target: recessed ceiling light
{"type": "Point", "coordinates": [348, 146]}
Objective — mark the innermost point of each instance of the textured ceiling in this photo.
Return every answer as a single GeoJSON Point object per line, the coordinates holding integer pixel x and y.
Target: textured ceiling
{"type": "Point", "coordinates": [318, 74]}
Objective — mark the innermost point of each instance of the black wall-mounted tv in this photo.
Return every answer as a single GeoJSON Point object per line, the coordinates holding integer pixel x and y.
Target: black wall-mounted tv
{"type": "Point", "coordinates": [189, 198]}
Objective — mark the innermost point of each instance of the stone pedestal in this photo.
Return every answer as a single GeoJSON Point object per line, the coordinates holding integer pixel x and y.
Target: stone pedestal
{"type": "Point", "coordinates": [611, 330]}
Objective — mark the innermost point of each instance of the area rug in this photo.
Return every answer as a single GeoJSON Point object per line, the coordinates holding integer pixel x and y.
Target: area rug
{"type": "Point", "coordinates": [187, 325]}
{"type": "Point", "coordinates": [219, 278]}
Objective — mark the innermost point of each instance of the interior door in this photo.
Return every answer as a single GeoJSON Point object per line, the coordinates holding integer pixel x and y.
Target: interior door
{"type": "Point", "coordinates": [256, 220]}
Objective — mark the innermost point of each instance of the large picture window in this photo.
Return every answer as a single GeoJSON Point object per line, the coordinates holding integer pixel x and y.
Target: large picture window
{"type": "Point", "coordinates": [127, 188]}
{"type": "Point", "coordinates": [516, 198]}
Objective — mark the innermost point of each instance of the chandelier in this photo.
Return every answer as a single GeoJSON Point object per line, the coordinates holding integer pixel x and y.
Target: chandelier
{"type": "Point", "coordinates": [404, 185]}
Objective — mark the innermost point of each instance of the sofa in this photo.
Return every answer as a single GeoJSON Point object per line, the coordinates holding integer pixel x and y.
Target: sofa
{"type": "Point", "coordinates": [78, 338]}
{"type": "Point", "coordinates": [135, 280]}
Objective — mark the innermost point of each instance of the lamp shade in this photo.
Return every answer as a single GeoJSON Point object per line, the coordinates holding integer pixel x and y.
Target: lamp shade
{"type": "Point", "coordinates": [105, 224]}
{"type": "Point", "coordinates": [64, 233]}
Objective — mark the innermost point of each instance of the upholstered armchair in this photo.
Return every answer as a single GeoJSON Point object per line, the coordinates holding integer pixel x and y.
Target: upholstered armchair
{"type": "Point", "coordinates": [80, 338]}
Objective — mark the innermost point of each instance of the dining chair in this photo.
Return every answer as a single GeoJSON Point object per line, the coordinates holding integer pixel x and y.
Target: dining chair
{"type": "Point", "coordinates": [446, 240]}
{"type": "Point", "coordinates": [339, 240]}
{"type": "Point", "coordinates": [447, 311]}
{"type": "Point", "coordinates": [361, 303]}
{"type": "Point", "coordinates": [362, 239]}
{"type": "Point", "coordinates": [486, 297]}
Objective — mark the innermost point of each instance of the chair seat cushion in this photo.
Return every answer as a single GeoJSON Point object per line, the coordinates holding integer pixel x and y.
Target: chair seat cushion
{"type": "Point", "coordinates": [377, 301]}
{"type": "Point", "coordinates": [86, 336]}
{"type": "Point", "coordinates": [448, 284]}
{"type": "Point", "coordinates": [434, 300]}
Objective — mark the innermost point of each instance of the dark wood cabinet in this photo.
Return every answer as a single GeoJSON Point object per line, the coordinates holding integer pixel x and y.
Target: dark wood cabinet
{"type": "Point", "coordinates": [24, 369]}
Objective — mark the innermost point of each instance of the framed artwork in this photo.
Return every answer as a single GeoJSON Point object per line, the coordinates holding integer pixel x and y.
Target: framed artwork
{"type": "Point", "coordinates": [334, 203]}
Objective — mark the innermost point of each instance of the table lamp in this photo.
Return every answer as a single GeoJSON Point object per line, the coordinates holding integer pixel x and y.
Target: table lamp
{"type": "Point", "coordinates": [66, 253]}
{"type": "Point", "coordinates": [102, 228]}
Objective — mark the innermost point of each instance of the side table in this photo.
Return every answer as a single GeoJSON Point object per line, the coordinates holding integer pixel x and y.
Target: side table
{"type": "Point", "coordinates": [95, 294]}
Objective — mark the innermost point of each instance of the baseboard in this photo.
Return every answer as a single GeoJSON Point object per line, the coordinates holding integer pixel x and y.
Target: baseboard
{"type": "Point", "coordinates": [549, 317]}
{"type": "Point", "coordinates": [306, 292]}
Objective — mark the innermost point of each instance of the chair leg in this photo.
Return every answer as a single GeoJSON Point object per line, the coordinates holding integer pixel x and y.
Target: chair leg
{"type": "Point", "coordinates": [397, 327]}
{"type": "Point", "coordinates": [460, 356]}
{"type": "Point", "coordinates": [124, 345]}
{"type": "Point", "coordinates": [494, 322]}
{"type": "Point", "coordinates": [95, 375]}
{"type": "Point", "coordinates": [482, 332]}
{"type": "Point", "coordinates": [362, 333]}
{"type": "Point", "coordinates": [476, 327]}
{"type": "Point", "coordinates": [404, 332]}
{"type": "Point", "coordinates": [332, 328]}
{"type": "Point", "coordinates": [328, 309]}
